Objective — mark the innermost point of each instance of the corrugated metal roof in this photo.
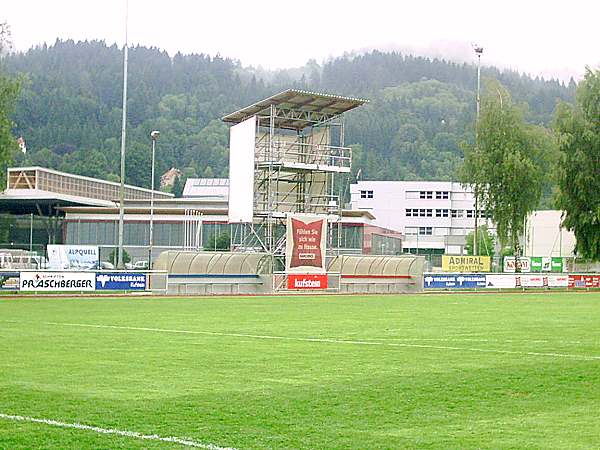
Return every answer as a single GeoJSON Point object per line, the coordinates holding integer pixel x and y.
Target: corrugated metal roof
{"type": "Point", "coordinates": [209, 188]}
{"type": "Point", "coordinates": [306, 108]}
{"type": "Point", "coordinates": [209, 181]}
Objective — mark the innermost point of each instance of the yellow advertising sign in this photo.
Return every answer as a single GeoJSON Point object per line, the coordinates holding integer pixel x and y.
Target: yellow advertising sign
{"type": "Point", "coordinates": [465, 263]}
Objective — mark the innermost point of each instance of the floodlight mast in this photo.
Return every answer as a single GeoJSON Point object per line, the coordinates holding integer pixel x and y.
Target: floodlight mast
{"type": "Point", "coordinates": [478, 51]}
{"type": "Point", "coordinates": [154, 135]}
{"type": "Point", "coordinates": [120, 264]}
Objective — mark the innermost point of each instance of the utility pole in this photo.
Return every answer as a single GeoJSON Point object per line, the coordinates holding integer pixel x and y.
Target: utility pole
{"type": "Point", "coordinates": [478, 52]}
{"type": "Point", "coordinates": [154, 135]}
{"type": "Point", "coordinates": [123, 136]}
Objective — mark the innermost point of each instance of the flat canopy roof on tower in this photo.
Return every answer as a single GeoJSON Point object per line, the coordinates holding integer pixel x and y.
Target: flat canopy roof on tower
{"type": "Point", "coordinates": [298, 109]}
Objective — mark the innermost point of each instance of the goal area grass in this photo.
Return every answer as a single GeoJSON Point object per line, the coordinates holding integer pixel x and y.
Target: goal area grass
{"type": "Point", "coordinates": [508, 370]}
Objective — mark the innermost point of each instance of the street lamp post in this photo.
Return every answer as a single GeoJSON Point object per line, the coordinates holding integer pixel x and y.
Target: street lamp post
{"type": "Point", "coordinates": [478, 52]}
{"type": "Point", "coordinates": [154, 135]}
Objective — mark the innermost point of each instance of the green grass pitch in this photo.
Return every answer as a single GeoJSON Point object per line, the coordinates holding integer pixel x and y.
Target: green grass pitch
{"type": "Point", "coordinates": [422, 371]}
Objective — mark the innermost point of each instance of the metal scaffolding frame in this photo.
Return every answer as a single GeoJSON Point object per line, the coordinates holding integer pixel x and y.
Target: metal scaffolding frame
{"type": "Point", "coordinates": [300, 165]}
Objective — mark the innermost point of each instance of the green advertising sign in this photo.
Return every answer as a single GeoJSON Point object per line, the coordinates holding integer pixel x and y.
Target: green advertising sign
{"type": "Point", "coordinates": [557, 264]}
{"type": "Point", "coordinates": [536, 264]}
{"type": "Point", "coordinates": [546, 264]}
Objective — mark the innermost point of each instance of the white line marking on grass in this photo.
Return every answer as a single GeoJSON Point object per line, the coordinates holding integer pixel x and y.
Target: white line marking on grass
{"type": "Point", "coordinates": [334, 341]}
{"type": "Point", "coordinates": [510, 341]}
{"type": "Point", "coordinates": [132, 434]}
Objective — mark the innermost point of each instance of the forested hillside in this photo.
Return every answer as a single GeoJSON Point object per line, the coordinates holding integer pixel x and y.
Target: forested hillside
{"type": "Point", "coordinates": [420, 110]}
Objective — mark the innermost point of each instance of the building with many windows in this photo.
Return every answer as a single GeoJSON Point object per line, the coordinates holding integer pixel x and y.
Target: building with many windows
{"type": "Point", "coordinates": [434, 216]}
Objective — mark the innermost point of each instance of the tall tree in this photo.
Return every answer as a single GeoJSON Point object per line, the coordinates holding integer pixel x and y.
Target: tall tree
{"type": "Point", "coordinates": [9, 91]}
{"type": "Point", "coordinates": [506, 165]}
{"type": "Point", "coordinates": [579, 175]}
{"type": "Point", "coordinates": [485, 242]}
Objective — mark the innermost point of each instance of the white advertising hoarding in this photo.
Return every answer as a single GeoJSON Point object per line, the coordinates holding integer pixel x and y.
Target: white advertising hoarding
{"type": "Point", "coordinates": [57, 281]}
{"type": "Point", "coordinates": [530, 280]}
{"type": "Point", "coordinates": [62, 257]}
{"type": "Point", "coordinates": [500, 281]}
{"type": "Point", "coordinates": [241, 171]}
{"type": "Point", "coordinates": [558, 281]}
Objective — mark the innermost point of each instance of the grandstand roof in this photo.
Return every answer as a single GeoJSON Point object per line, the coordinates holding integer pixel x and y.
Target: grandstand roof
{"type": "Point", "coordinates": [304, 108]}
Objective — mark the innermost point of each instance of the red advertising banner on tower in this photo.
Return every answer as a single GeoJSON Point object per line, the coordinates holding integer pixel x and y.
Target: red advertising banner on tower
{"type": "Point", "coordinates": [305, 244]}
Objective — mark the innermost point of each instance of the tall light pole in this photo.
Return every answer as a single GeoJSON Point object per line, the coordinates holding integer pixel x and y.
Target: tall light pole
{"type": "Point", "coordinates": [154, 135]}
{"type": "Point", "coordinates": [123, 136]}
{"type": "Point", "coordinates": [478, 52]}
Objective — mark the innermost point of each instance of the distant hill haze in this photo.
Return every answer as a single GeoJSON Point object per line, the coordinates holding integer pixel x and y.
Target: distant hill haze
{"type": "Point", "coordinates": [69, 111]}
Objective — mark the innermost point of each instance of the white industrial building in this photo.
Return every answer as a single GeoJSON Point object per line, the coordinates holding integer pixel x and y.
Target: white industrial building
{"type": "Point", "coordinates": [544, 235]}
{"type": "Point", "coordinates": [434, 216]}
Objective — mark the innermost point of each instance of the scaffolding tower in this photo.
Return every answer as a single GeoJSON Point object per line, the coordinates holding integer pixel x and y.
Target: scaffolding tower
{"type": "Point", "coordinates": [301, 164]}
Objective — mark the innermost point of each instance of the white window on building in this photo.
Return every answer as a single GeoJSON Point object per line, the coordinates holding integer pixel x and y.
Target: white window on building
{"type": "Point", "coordinates": [440, 231]}
{"type": "Point", "coordinates": [422, 212]}
{"type": "Point", "coordinates": [441, 213]}
{"type": "Point", "coordinates": [425, 231]}
{"type": "Point", "coordinates": [442, 195]}
{"type": "Point", "coordinates": [426, 194]}
{"type": "Point", "coordinates": [411, 195]}
{"type": "Point", "coordinates": [429, 213]}
{"type": "Point", "coordinates": [457, 213]}
{"type": "Point", "coordinates": [412, 212]}
{"type": "Point", "coordinates": [366, 194]}
{"type": "Point", "coordinates": [470, 213]}
{"type": "Point", "coordinates": [411, 230]}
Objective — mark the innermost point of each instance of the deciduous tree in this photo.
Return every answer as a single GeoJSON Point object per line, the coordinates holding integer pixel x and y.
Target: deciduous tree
{"type": "Point", "coordinates": [578, 128]}
{"type": "Point", "coordinates": [506, 166]}
{"type": "Point", "coordinates": [9, 91]}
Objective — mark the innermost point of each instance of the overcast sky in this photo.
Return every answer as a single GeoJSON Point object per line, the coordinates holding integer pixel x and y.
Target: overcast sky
{"type": "Point", "coordinates": [549, 38]}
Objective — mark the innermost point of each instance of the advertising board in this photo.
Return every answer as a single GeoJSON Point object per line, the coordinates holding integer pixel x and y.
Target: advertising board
{"type": "Point", "coordinates": [241, 171]}
{"type": "Point", "coordinates": [524, 264]}
{"type": "Point", "coordinates": [455, 281]}
{"type": "Point", "coordinates": [465, 263]}
{"type": "Point", "coordinates": [73, 257]}
{"type": "Point", "coordinates": [530, 280]}
{"type": "Point", "coordinates": [57, 281]}
{"type": "Point", "coordinates": [307, 281]}
{"type": "Point", "coordinates": [121, 281]}
{"type": "Point", "coordinates": [305, 243]}
{"type": "Point", "coordinates": [584, 281]}
{"type": "Point", "coordinates": [558, 281]}
{"type": "Point", "coordinates": [9, 281]}
{"type": "Point", "coordinates": [556, 264]}
{"type": "Point", "coordinates": [498, 281]}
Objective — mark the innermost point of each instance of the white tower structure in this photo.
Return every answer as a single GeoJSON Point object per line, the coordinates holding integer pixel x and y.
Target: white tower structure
{"type": "Point", "coordinates": [287, 156]}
